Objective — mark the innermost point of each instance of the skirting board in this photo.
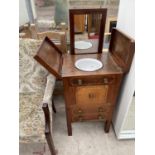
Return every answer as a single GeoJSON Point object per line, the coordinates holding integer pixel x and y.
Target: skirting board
{"type": "Point", "coordinates": [128, 134]}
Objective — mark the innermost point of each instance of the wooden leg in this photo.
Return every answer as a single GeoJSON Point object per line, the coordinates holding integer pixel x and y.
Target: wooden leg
{"type": "Point", "coordinates": [69, 128]}
{"type": "Point", "coordinates": [107, 126]}
{"type": "Point", "coordinates": [50, 143]}
{"type": "Point", "coordinates": [53, 106]}
{"type": "Point", "coordinates": [48, 134]}
{"type": "Point", "coordinates": [69, 125]}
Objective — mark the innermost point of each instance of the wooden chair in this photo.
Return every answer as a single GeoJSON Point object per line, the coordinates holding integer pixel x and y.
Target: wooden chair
{"type": "Point", "coordinates": [58, 37]}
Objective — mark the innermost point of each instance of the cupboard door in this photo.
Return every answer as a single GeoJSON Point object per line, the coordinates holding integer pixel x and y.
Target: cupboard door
{"type": "Point", "coordinates": [88, 97]}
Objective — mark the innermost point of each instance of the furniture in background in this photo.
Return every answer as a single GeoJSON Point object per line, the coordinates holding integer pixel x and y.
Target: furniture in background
{"type": "Point", "coordinates": [110, 20]}
{"type": "Point", "coordinates": [79, 21]}
{"type": "Point", "coordinates": [58, 37]}
{"type": "Point", "coordinates": [46, 25]}
{"type": "Point", "coordinates": [61, 12]}
{"type": "Point", "coordinates": [35, 93]}
{"type": "Point", "coordinates": [107, 38]}
{"type": "Point", "coordinates": [94, 26]}
{"type": "Point", "coordinates": [89, 95]}
{"type": "Point", "coordinates": [24, 31]}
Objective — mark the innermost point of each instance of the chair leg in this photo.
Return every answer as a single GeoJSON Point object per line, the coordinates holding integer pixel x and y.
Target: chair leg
{"type": "Point", "coordinates": [50, 143]}
{"type": "Point", "coordinates": [48, 134]}
{"type": "Point", "coordinates": [53, 106]}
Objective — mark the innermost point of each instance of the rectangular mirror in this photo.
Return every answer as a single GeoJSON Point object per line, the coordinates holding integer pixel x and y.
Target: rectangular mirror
{"type": "Point", "coordinates": [87, 30]}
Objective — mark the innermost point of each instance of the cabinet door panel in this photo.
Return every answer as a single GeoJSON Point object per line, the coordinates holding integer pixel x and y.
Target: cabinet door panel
{"type": "Point", "coordinates": [91, 96]}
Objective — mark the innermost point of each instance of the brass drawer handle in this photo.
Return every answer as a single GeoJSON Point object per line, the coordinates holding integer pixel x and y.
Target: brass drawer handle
{"type": "Point", "coordinates": [79, 82]}
{"type": "Point", "coordinates": [100, 117]}
{"type": "Point", "coordinates": [105, 80]}
{"type": "Point", "coordinates": [100, 109]}
{"type": "Point", "coordinates": [80, 111]}
{"type": "Point", "coordinates": [80, 118]}
{"type": "Point", "coordinates": [91, 96]}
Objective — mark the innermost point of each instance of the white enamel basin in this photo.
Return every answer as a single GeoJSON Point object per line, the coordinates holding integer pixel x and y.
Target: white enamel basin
{"type": "Point", "coordinates": [88, 64]}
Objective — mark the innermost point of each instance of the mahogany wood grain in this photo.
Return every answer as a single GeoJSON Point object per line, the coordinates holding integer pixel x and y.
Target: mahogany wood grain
{"type": "Point", "coordinates": [50, 57]}
{"type": "Point", "coordinates": [87, 96]}
{"type": "Point", "coordinates": [90, 95]}
{"type": "Point", "coordinates": [95, 102]}
{"type": "Point", "coordinates": [122, 48]}
{"type": "Point", "coordinates": [109, 65]}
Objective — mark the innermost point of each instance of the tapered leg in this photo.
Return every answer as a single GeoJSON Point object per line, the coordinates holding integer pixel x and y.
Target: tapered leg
{"type": "Point", "coordinates": [107, 126]}
{"type": "Point", "coordinates": [48, 133]}
{"type": "Point", "coordinates": [69, 125]}
{"type": "Point", "coordinates": [50, 143]}
{"type": "Point", "coordinates": [69, 128]}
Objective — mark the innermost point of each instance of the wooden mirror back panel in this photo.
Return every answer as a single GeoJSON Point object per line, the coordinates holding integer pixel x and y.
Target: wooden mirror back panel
{"type": "Point", "coordinates": [122, 48]}
{"type": "Point", "coordinates": [49, 56]}
{"type": "Point", "coordinates": [91, 21]}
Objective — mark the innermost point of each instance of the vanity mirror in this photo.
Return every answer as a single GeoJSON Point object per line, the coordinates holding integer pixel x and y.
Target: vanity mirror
{"type": "Point", "coordinates": [87, 30]}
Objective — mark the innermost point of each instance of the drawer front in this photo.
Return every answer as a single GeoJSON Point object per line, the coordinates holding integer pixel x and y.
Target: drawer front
{"type": "Point", "coordinates": [91, 96]}
{"type": "Point", "coordinates": [76, 110]}
{"type": "Point", "coordinates": [85, 117]}
{"type": "Point", "coordinates": [92, 81]}
{"type": "Point", "coordinates": [101, 112]}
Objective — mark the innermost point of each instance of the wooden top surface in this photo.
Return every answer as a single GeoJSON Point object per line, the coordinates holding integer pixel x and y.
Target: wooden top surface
{"type": "Point", "coordinates": [109, 65]}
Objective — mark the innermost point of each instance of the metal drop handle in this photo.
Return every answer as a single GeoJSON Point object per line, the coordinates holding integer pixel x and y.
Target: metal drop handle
{"type": "Point", "coordinates": [91, 95]}
{"type": "Point", "coordinates": [80, 111]}
{"type": "Point", "coordinates": [80, 82]}
{"type": "Point", "coordinates": [100, 117]}
{"type": "Point", "coordinates": [80, 118]}
{"type": "Point", "coordinates": [100, 109]}
{"type": "Point", "coordinates": [105, 80]}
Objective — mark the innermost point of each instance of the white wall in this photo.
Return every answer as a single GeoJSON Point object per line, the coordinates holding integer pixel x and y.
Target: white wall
{"type": "Point", "coordinates": [23, 12]}
{"type": "Point", "coordinates": [126, 17]}
{"type": "Point", "coordinates": [126, 23]}
{"type": "Point", "coordinates": [33, 9]}
{"type": "Point", "coordinates": [23, 16]}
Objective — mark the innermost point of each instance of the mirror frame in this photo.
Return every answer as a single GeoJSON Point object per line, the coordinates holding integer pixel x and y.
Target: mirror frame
{"type": "Point", "coordinates": [72, 12]}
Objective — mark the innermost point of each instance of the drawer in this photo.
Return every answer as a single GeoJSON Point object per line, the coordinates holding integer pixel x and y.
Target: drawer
{"type": "Point", "coordinates": [83, 110]}
{"type": "Point", "coordinates": [85, 117]}
{"type": "Point", "coordinates": [105, 80]}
